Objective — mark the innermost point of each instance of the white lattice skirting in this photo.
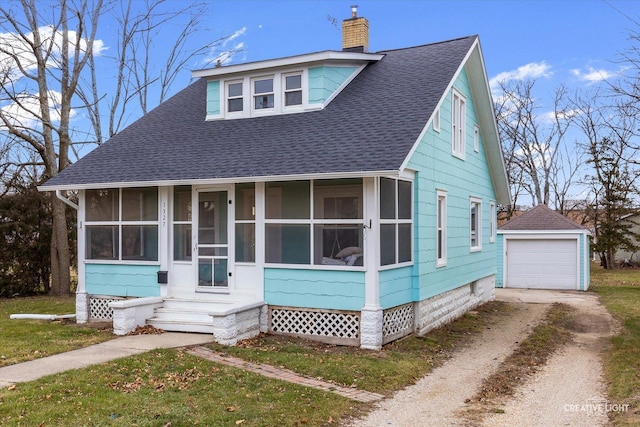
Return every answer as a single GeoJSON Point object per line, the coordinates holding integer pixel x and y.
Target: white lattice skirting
{"type": "Point", "coordinates": [398, 322]}
{"type": "Point", "coordinates": [334, 327]}
{"type": "Point", "coordinates": [99, 307]}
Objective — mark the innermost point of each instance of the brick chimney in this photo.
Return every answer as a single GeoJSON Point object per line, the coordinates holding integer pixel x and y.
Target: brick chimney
{"type": "Point", "coordinates": [355, 32]}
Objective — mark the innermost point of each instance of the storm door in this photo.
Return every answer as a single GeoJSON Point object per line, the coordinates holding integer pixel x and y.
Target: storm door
{"type": "Point", "coordinates": [212, 240]}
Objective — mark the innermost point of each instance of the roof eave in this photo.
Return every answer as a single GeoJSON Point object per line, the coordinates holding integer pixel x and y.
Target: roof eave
{"type": "Point", "coordinates": [328, 55]}
{"type": "Point", "coordinates": [220, 181]}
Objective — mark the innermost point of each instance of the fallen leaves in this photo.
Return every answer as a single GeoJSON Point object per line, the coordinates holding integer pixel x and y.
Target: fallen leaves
{"type": "Point", "coordinates": [146, 330]}
{"type": "Point", "coordinates": [170, 380]}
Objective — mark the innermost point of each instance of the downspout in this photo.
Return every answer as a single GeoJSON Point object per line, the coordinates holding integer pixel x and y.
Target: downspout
{"type": "Point", "coordinates": [66, 200]}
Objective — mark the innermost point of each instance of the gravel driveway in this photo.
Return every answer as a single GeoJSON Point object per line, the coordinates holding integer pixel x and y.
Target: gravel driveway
{"type": "Point", "coordinates": [566, 392]}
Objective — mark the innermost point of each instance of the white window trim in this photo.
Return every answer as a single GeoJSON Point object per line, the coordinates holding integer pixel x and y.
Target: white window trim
{"type": "Point", "coordinates": [225, 96]}
{"type": "Point", "coordinates": [492, 221]}
{"type": "Point", "coordinates": [458, 127]}
{"type": "Point", "coordinates": [478, 201]}
{"type": "Point", "coordinates": [476, 138]}
{"type": "Point", "coordinates": [276, 89]}
{"type": "Point", "coordinates": [311, 222]}
{"type": "Point", "coordinates": [121, 223]}
{"type": "Point", "coordinates": [397, 221]}
{"type": "Point", "coordinates": [441, 225]}
{"type": "Point", "coordinates": [436, 120]}
{"type": "Point", "coordinates": [248, 93]}
{"type": "Point", "coordinates": [284, 90]}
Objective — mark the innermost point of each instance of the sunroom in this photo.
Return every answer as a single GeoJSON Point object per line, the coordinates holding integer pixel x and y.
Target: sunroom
{"type": "Point", "coordinates": [298, 246]}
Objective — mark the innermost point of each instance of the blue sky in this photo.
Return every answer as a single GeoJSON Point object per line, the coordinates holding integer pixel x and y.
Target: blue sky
{"type": "Point", "coordinates": [571, 38]}
{"type": "Point", "coordinates": [570, 42]}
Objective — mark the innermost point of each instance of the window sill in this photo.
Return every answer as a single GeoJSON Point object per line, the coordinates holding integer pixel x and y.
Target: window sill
{"type": "Point", "coordinates": [394, 266]}
{"type": "Point", "coordinates": [315, 267]}
{"type": "Point", "coordinates": [120, 262]}
{"type": "Point", "coordinates": [440, 264]}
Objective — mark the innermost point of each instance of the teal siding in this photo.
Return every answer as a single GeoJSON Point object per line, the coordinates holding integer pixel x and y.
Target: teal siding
{"type": "Point", "coordinates": [396, 287]}
{"type": "Point", "coordinates": [328, 289]}
{"type": "Point", "coordinates": [500, 261]}
{"type": "Point", "coordinates": [213, 98]}
{"type": "Point", "coordinates": [324, 81]}
{"type": "Point", "coordinates": [438, 169]}
{"type": "Point", "coordinates": [122, 280]}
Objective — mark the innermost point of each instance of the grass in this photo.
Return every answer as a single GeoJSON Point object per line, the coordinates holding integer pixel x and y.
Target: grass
{"type": "Point", "coordinates": [171, 386]}
{"type": "Point", "coordinates": [24, 340]}
{"type": "Point", "coordinates": [167, 387]}
{"type": "Point", "coordinates": [399, 364]}
{"type": "Point", "coordinates": [619, 291]}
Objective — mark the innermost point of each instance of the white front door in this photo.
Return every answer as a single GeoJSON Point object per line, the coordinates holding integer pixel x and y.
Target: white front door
{"type": "Point", "coordinates": [212, 234]}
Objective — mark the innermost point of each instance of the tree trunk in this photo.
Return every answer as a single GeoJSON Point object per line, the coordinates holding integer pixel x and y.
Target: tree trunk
{"type": "Point", "coordinates": [60, 263]}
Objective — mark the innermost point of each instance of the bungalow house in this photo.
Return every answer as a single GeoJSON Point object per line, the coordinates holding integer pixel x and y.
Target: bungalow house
{"type": "Point", "coordinates": [345, 196]}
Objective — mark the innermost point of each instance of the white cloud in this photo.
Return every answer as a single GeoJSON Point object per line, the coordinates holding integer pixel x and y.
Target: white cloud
{"type": "Point", "coordinates": [15, 51]}
{"type": "Point", "coordinates": [223, 54]}
{"type": "Point", "coordinates": [235, 35]}
{"type": "Point", "coordinates": [592, 75]}
{"type": "Point", "coordinates": [25, 112]}
{"type": "Point", "coordinates": [531, 70]}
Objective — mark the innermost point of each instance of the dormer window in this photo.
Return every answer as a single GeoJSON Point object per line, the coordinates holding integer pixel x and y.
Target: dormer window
{"type": "Point", "coordinates": [234, 97]}
{"type": "Point", "coordinates": [292, 89]}
{"type": "Point", "coordinates": [263, 93]}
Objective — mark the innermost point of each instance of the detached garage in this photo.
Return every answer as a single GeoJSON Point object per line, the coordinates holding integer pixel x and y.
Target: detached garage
{"type": "Point", "coordinates": [542, 249]}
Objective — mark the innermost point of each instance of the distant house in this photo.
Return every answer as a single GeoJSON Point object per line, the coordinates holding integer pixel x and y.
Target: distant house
{"type": "Point", "coordinates": [629, 256]}
{"type": "Point", "coordinates": [542, 249]}
{"type": "Point", "coordinates": [345, 196]}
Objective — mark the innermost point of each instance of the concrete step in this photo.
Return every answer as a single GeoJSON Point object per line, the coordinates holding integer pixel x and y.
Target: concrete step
{"type": "Point", "coordinates": [178, 314]}
{"type": "Point", "coordinates": [181, 326]}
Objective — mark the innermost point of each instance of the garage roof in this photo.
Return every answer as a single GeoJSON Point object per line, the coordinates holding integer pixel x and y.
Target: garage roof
{"type": "Point", "coordinates": [541, 218]}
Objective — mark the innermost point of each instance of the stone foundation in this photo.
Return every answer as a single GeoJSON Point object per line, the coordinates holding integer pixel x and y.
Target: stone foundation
{"type": "Point", "coordinates": [444, 308]}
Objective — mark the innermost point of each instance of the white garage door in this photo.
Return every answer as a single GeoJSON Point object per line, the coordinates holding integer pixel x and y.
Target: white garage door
{"type": "Point", "coordinates": [542, 263]}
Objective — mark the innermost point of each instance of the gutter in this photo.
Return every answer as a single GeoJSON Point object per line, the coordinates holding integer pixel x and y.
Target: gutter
{"type": "Point", "coordinates": [66, 200]}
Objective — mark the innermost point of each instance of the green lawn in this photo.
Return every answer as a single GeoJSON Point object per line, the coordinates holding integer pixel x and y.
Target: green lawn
{"type": "Point", "coordinates": [171, 386]}
{"type": "Point", "coordinates": [24, 340]}
{"type": "Point", "coordinates": [619, 290]}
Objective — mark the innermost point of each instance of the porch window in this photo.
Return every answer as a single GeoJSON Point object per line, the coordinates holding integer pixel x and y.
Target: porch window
{"type": "Point", "coordinates": [288, 222]}
{"type": "Point", "coordinates": [122, 224]}
{"type": "Point", "coordinates": [337, 216]}
{"type": "Point", "coordinates": [245, 222]}
{"type": "Point", "coordinates": [317, 222]}
{"type": "Point", "coordinates": [396, 223]}
{"type": "Point", "coordinates": [182, 221]}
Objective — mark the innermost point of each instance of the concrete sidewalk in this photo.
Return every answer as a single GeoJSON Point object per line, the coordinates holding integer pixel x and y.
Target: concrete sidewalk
{"type": "Point", "coordinates": [96, 354]}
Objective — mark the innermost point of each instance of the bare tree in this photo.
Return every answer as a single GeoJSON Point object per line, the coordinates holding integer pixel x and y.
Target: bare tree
{"type": "Point", "coordinates": [140, 81]}
{"type": "Point", "coordinates": [615, 176]}
{"type": "Point", "coordinates": [42, 66]}
{"type": "Point", "coordinates": [48, 69]}
{"type": "Point", "coordinates": [533, 143]}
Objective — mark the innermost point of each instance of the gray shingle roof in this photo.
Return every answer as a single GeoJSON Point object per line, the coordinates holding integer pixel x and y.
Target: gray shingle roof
{"type": "Point", "coordinates": [541, 218]}
{"type": "Point", "coordinates": [370, 126]}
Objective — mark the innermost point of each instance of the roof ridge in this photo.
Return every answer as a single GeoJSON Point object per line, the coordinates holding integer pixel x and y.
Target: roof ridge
{"type": "Point", "coordinates": [538, 218]}
{"type": "Point", "coordinates": [427, 44]}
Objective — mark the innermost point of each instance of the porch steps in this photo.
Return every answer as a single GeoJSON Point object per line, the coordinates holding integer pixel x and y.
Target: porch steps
{"type": "Point", "coordinates": [207, 315]}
